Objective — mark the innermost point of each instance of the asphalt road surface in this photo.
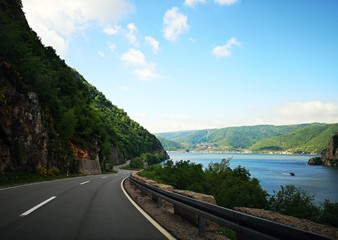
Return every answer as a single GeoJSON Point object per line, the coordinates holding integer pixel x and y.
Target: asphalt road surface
{"type": "Point", "coordinates": [91, 207]}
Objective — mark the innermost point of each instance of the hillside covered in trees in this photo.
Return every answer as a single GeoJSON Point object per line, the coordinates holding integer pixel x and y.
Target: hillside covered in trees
{"type": "Point", "coordinates": [299, 138]}
{"type": "Point", "coordinates": [49, 114]}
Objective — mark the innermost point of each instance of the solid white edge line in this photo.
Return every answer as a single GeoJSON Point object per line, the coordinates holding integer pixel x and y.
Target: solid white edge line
{"type": "Point", "coordinates": [37, 206]}
{"type": "Point", "coordinates": [146, 215]}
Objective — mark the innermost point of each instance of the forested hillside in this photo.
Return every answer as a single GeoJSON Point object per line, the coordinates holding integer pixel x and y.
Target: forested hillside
{"type": "Point", "coordinates": [49, 114]}
{"type": "Point", "coordinates": [308, 139]}
{"type": "Point", "coordinates": [262, 138]}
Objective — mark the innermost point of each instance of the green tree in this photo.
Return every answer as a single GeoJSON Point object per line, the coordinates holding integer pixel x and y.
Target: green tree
{"type": "Point", "coordinates": [293, 201]}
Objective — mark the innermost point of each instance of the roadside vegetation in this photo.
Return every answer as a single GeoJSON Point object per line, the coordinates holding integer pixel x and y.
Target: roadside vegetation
{"type": "Point", "coordinates": [235, 188]}
{"type": "Point", "coordinates": [148, 158]}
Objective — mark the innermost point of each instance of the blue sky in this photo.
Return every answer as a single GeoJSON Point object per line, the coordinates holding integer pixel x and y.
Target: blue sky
{"type": "Point", "coordinates": [197, 64]}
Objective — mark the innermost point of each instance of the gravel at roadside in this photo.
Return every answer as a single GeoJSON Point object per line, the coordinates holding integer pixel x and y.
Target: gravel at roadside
{"type": "Point", "coordinates": [175, 225]}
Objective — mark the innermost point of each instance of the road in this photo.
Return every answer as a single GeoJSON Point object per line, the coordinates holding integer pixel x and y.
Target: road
{"type": "Point", "coordinates": [90, 207]}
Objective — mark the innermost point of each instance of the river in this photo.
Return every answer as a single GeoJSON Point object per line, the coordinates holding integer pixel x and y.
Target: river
{"type": "Point", "coordinates": [273, 171]}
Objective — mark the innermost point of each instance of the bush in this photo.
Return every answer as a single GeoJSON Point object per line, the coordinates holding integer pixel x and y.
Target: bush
{"type": "Point", "coordinates": [294, 201]}
{"type": "Point", "coordinates": [136, 163]}
{"type": "Point", "coordinates": [231, 188]}
{"type": "Point", "coordinates": [329, 213]}
{"type": "Point", "coordinates": [41, 171]}
{"type": "Point", "coordinates": [53, 171]}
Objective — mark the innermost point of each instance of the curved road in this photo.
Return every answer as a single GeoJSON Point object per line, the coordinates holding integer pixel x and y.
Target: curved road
{"type": "Point", "coordinates": [91, 207]}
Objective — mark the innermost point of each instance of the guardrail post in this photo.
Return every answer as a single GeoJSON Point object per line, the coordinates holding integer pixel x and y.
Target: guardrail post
{"type": "Point", "coordinates": [201, 226]}
{"type": "Point", "coordinates": [159, 202]}
{"type": "Point", "coordinates": [143, 192]}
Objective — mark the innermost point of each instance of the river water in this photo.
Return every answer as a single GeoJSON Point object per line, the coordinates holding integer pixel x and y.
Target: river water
{"type": "Point", "coordinates": [273, 171]}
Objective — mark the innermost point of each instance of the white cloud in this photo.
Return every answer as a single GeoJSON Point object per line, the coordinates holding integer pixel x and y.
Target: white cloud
{"type": "Point", "coordinates": [131, 34]}
{"type": "Point", "coordinates": [313, 111]}
{"type": "Point", "coordinates": [144, 70]}
{"type": "Point", "coordinates": [112, 30]}
{"type": "Point", "coordinates": [146, 73]}
{"type": "Point", "coordinates": [101, 54]}
{"type": "Point", "coordinates": [56, 21]}
{"type": "Point", "coordinates": [225, 2]}
{"type": "Point", "coordinates": [175, 24]}
{"type": "Point", "coordinates": [135, 58]}
{"type": "Point", "coordinates": [155, 45]}
{"type": "Point", "coordinates": [225, 50]}
{"type": "Point", "coordinates": [193, 3]}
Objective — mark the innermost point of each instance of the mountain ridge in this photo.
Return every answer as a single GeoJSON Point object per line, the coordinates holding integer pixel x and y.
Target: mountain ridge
{"type": "Point", "coordinates": [295, 138]}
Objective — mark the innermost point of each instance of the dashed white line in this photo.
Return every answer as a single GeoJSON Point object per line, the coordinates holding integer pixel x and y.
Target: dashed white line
{"type": "Point", "coordinates": [84, 182]}
{"type": "Point", "coordinates": [104, 177]}
{"type": "Point", "coordinates": [37, 206]}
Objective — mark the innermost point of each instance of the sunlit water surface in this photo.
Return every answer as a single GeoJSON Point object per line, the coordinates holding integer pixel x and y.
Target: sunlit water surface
{"type": "Point", "coordinates": [273, 171]}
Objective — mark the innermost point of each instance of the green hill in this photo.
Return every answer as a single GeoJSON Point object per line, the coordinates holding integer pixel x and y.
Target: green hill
{"type": "Point", "coordinates": [262, 138]}
{"type": "Point", "coordinates": [308, 139]}
{"type": "Point", "coordinates": [49, 114]}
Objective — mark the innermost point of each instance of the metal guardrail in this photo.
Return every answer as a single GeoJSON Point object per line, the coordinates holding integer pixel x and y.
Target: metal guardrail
{"type": "Point", "coordinates": [245, 226]}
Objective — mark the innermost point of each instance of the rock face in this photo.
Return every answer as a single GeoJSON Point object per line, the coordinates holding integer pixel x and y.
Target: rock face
{"type": "Point", "coordinates": [329, 157]}
{"type": "Point", "coordinates": [23, 136]}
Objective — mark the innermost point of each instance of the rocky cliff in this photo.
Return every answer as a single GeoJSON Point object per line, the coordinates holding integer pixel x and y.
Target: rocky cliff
{"type": "Point", "coordinates": [50, 116]}
{"type": "Point", "coordinates": [329, 156]}
{"type": "Point", "coordinates": [23, 135]}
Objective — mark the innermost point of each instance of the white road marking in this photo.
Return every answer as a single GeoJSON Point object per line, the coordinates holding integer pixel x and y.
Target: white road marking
{"type": "Point", "coordinates": [84, 182]}
{"type": "Point", "coordinates": [104, 177]}
{"type": "Point", "coordinates": [149, 218]}
{"type": "Point", "coordinates": [37, 206]}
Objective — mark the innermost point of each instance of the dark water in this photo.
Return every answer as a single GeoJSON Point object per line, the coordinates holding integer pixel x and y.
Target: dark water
{"type": "Point", "coordinates": [273, 170]}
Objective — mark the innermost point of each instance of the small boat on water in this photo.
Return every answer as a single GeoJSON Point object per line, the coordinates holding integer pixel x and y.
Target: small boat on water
{"type": "Point", "coordinates": [292, 173]}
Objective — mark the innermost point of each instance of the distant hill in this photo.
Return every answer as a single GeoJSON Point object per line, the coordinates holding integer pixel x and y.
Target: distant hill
{"type": "Point", "coordinates": [313, 138]}
{"type": "Point", "coordinates": [261, 138]}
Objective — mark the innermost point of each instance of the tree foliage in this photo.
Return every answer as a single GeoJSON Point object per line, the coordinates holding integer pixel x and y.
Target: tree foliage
{"type": "Point", "coordinates": [230, 187]}
{"type": "Point", "coordinates": [73, 111]}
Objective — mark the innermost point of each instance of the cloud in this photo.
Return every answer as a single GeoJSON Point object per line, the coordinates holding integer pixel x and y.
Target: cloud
{"type": "Point", "coordinates": [313, 111]}
{"type": "Point", "coordinates": [131, 34]}
{"type": "Point", "coordinates": [146, 73]}
{"type": "Point", "coordinates": [193, 3]}
{"type": "Point", "coordinates": [225, 50]}
{"type": "Point", "coordinates": [155, 45]}
{"type": "Point", "coordinates": [101, 54]}
{"type": "Point", "coordinates": [144, 70]}
{"type": "Point", "coordinates": [225, 2]}
{"type": "Point", "coordinates": [56, 21]}
{"type": "Point", "coordinates": [112, 30]}
{"type": "Point", "coordinates": [134, 57]}
{"type": "Point", "coordinates": [175, 24]}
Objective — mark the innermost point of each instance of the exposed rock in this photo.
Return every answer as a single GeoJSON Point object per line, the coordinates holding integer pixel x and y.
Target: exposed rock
{"type": "Point", "coordinates": [23, 136]}
{"type": "Point", "coordinates": [329, 156]}
{"type": "Point", "coordinates": [315, 161]}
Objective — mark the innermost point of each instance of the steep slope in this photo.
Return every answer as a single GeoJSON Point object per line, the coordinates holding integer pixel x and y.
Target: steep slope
{"type": "Point", "coordinates": [50, 115]}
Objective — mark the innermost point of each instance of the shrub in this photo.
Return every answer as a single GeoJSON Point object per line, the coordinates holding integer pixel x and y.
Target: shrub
{"type": "Point", "coordinates": [53, 171]}
{"type": "Point", "coordinates": [294, 201]}
{"type": "Point", "coordinates": [41, 171]}
{"type": "Point", "coordinates": [329, 213]}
